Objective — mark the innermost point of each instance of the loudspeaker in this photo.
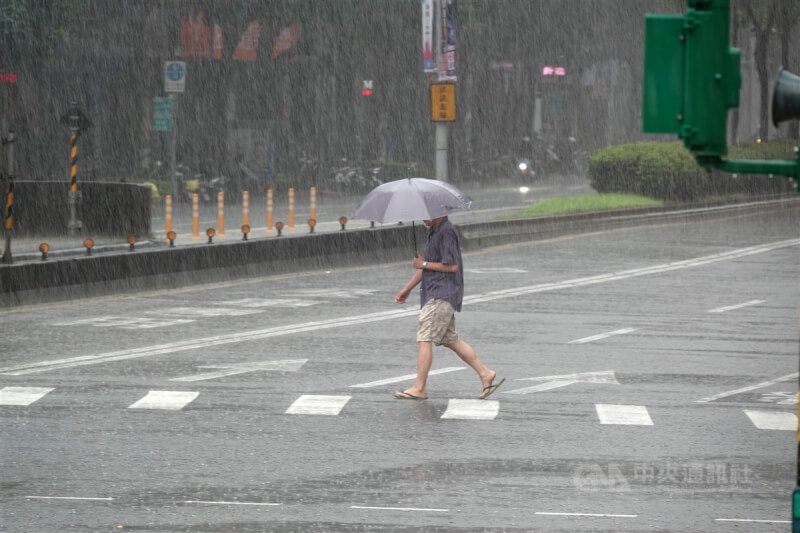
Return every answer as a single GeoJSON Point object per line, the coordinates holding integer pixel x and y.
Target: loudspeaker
{"type": "Point", "coordinates": [786, 97]}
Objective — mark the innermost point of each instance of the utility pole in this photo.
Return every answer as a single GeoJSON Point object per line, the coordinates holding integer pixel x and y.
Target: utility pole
{"type": "Point", "coordinates": [443, 92]}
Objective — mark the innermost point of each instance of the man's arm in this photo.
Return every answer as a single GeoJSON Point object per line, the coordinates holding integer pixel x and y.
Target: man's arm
{"type": "Point", "coordinates": [402, 296]}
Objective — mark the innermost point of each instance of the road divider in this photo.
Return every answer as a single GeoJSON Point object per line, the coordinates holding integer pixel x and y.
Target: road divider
{"type": "Point", "coordinates": [170, 267]}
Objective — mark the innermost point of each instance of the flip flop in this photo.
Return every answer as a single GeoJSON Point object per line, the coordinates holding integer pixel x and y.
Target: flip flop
{"type": "Point", "coordinates": [406, 396]}
{"type": "Point", "coordinates": [491, 389]}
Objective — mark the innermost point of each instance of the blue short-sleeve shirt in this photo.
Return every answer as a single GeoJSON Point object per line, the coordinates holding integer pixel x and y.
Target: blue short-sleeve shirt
{"type": "Point", "coordinates": [443, 247]}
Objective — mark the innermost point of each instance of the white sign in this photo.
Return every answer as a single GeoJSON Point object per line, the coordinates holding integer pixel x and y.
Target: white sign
{"type": "Point", "coordinates": [174, 76]}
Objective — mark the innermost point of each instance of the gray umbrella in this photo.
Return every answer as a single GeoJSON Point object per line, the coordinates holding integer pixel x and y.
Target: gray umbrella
{"type": "Point", "coordinates": [411, 199]}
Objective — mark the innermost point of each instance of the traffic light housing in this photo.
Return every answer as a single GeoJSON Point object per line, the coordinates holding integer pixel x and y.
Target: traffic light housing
{"type": "Point", "coordinates": [692, 79]}
{"type": "Point", "coordinates": [691, 76]}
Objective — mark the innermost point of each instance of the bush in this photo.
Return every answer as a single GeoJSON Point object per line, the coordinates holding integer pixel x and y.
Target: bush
{"type": "Point", "coordinates": [667, 171]}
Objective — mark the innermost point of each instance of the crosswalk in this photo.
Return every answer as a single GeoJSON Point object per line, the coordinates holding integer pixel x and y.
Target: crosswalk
{"type": "Point", "coordinates": [457, 408]}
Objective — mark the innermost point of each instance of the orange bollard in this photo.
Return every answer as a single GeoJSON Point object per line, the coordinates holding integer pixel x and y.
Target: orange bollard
{"type": "Point", "coordinates": [269, 211]}
{"type": "Point", "coordinates": [314, 203]}
{"type": "Point", "coordinates": [291, 208]}
{"type": "Point", "coordinates": [221, 213]}
{"type": "Point", "coordinates": [168, 214]}
{"type": "Point", "coordinates": [195, 217]}
{"type": "Point", "coordinates": [245, 208]}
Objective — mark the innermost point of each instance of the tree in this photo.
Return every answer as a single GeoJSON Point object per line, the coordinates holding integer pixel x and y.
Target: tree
{"type": "Point", "coordinates": [762, 16]}
{"type": "Point", "coordinates": [788, 17]}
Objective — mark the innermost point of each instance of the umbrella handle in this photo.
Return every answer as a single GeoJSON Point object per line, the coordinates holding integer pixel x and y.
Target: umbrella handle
{"type": "Point", "coordinates": [414, 233]}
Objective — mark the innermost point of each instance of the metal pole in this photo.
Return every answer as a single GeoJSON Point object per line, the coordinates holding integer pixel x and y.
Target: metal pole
{"type": "Point", "coordinates": [8, 223]}
{"type": "Point", "coordinates": [173, 149]}
{"type": "Point", "coordinates": [442, 129]}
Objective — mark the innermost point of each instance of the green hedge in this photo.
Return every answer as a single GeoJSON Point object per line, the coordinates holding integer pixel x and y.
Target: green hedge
{"type": "Point", "coordinates": [667, 171]}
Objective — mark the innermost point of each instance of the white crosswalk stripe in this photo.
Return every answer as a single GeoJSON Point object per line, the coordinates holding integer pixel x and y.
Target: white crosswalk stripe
{"type": "Point", "coordinates": [22, 395]}
{"type": "Point", "coordinates": [315, 404]}
{"type": "Point", "coordinates": [472, 409]}
{"type": "Point", "coordinates": [164, 399]}
{"type": "Point", "coordinates": [771, 419]}
{"type": "Point", "coordinates": [630, 415]}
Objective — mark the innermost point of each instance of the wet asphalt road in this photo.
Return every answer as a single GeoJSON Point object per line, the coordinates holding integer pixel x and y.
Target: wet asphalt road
{"type": "Point", "coordinates": [651, 385]}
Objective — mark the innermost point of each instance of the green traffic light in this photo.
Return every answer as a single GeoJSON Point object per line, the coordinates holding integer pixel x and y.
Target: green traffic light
{"type": "Point", "coordinates": [691, 76]}
{"type": "Point", "coordinates": [796, 510]}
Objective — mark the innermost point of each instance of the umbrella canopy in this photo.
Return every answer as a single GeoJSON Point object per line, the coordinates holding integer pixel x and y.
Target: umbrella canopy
{"type": "Point", "coordinates": [411, 199]}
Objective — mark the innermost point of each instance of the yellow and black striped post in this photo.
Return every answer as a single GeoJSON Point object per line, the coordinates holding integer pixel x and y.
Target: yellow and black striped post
{"type": "Point", "coordinates": [76, 122]}
{"type": "Point", "coordinates": [9, 213]}
{"type": "Point", "coordinates": [73, 161]}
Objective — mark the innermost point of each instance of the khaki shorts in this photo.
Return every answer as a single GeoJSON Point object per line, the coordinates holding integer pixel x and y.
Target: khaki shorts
{"type": "Point", "coordinates": [437, 323]}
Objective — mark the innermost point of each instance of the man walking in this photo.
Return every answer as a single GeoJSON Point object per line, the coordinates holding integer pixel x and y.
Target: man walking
{"type": "Point", "coordinates": [441, 274]}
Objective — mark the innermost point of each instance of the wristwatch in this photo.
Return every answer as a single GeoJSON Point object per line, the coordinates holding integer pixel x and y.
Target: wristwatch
{"type": "Point", "coordinates": [424, 265]}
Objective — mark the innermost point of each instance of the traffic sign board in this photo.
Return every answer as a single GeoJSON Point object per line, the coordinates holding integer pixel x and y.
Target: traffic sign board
{"type": "Point", "coordinates": [162, 114]}
{"type": "Point", "coordinates": [443, 102]}
{"type": "Point", "coordinates": [174, 76]}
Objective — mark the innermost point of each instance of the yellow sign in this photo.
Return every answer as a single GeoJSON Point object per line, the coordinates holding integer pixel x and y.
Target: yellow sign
{"type": "Point", "coordinates": [443, 102]}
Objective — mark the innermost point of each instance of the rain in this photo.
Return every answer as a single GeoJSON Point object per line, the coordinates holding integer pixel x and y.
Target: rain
{"type": "Point", "coordinates": [203, 313]}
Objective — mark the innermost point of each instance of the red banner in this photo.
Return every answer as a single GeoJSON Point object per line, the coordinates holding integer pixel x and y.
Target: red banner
{"type": "Point", "coordinates": [247, 49]}
{"type": "Point", "coordinates": [196, 37]}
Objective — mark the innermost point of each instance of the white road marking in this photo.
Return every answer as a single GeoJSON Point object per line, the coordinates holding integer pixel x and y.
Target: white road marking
{"type": "Point", "coordinates": [165, 399]}
{"type": "Point", "coordinates": [204, 311]}
{"type": "Point", "coordinates": [125, 322]}
{"type": "Point", "coordinates": [22, 395]}
{"type": "Point", "coordinates": [192, 344]}
{"type": "Point", "coordinates": [592, 515]}
{"type": "Point", "coordinates": [630, 415]}
{"type": "Point", "coordinates": [752, 521]}
{"type": "Point", "coordinates": [418, 509]}
{"type": "Point", "coordinates": [233, 369]}
{"type": "Point", "coordinates": [472, 409]}
{"type": "Point", "coordinates": [336, 293]}
{"type": "Point", "coordinates": [555, 382]}
{"type": "Point", "coordinates": [405, 378]}
{"type": "Point", "coordinates": [45, 366]}
{"type": "Point", "coordinates": [780, 398]}
{"type": "Point", "coordinates": [69, 498]}
{"type": "Point", "coordinates": [265, 504]}
{"type": "Point", "coordinates": [761, 385]}
{"type": "Point", "coordinates": [772, 419]}
{"type": "Point", "coordinates": [602, 336]}
{"type": "Point", "coordinates": [263, 302]}
{"type": "Point", "coordinates": [498, 270]}
{"type": "Point", "coordinates": [737, 306]}
{"type": "Point", "coordinates": [312, 404]}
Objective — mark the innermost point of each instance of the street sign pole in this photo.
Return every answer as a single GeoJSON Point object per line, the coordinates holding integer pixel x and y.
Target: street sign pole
{"type": "Point", "coordinates": [173, 149]}
{"type": "Point", "coordinates": [174, 82]}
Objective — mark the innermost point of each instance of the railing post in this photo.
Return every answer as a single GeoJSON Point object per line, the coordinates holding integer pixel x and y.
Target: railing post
{"type": "Point", "coordinates": [195, 216]}
{"type": "Point", "coordinates": [269, 211]}
{"type": "Point", "coordinates": [221, 213]}
{"type": "Point", "coordinates": [291, 208]}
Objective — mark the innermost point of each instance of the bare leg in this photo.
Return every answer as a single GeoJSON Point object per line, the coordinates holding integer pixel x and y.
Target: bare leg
{"type": "Point", "coordinates": [424, 361]}
{"type": "Point", "coordinates": [468, 355]}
